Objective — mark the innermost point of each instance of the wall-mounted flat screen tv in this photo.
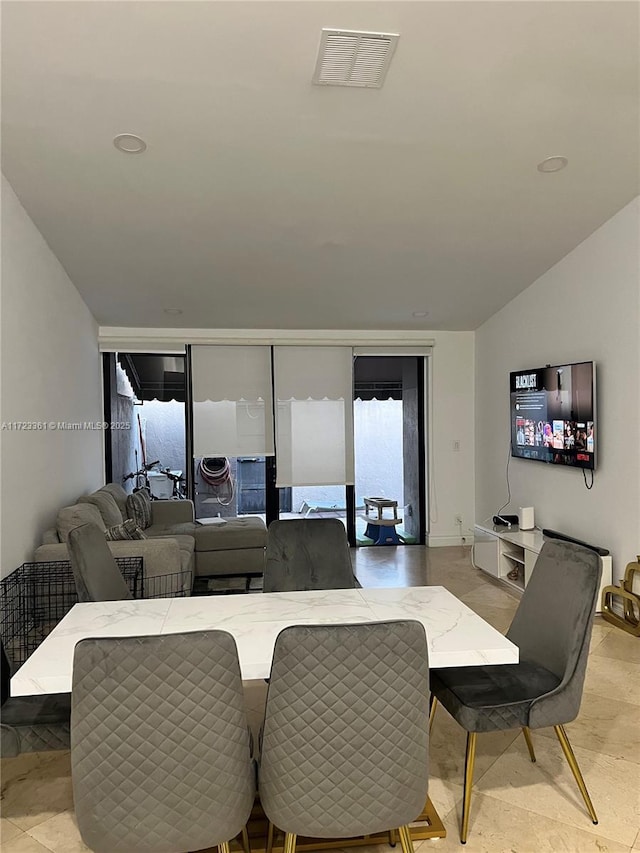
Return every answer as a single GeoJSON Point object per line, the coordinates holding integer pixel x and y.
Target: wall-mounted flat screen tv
{"type": "Point", "coordinates": [553, 414]}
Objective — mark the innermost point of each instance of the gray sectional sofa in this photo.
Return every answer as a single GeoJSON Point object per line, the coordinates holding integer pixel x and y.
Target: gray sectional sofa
{"type": "Point", "coordinates": [175, 542]}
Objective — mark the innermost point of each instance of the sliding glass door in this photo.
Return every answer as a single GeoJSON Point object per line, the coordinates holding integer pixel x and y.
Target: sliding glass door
{"type": "Point", "coordinates": [389, 449]}
{"type": "Point", "coordinates": [278, 432]}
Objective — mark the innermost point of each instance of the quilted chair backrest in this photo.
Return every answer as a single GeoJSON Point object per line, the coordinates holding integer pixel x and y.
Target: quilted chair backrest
{"type": "Point", "coordinates": [553, 622]}
{"type": "Point", "coordinates": [345, 742]}
{"type": "Point", "coordinates": [160, 750]}
{"type": "Point", "coordinates": [95, 570]}
{"type": "Point", "coordinates": [307, 553]}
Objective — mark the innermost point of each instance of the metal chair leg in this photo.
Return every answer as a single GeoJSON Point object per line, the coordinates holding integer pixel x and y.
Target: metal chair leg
{"type": "Point", "coordinates": [224, 847]}
{"type": "Point", "coordinates": [392, 838]}
{"type": "Point", "coordinates": [269, 838]}
{"type": "Point", "coordinates": [526, 731]}
{"type": "Point", "coordinates": [406, 842]}
{"type": "Point", "coordinates": [575, 769]}
{"type": "Point", "coordinates": [468, 782]}
{"type": "Point", "coordinates": [290, 842]}
{"type": "Point", "coordinates": [432, 711]}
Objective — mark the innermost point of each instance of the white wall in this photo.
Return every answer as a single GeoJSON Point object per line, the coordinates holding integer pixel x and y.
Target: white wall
{"type": "Point", "coordinates": [586, 307]}
{"type": "Point", "coordinates": [50, 372]}
{"type": "Point", "coordinates": [452, 419]}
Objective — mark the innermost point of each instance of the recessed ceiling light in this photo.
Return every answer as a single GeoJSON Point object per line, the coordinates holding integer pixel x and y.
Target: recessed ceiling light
{"type": "Point", "coordinates": [552, 164]}
{"type": "Point", "coordinates": [129, 143]}
{"type": "Point", "coordinates": [420, 313]}
{"type": "Point", "coordinates": [173, 312]}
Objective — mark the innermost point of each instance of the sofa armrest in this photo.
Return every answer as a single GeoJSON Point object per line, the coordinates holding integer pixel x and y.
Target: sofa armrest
{"type": "Point", "coordinates": [160, 556]}
{"type": "Point", "coordinates": [171, 512]}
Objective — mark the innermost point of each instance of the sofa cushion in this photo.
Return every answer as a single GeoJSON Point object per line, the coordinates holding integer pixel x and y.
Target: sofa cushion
{"type": "Point", "coordinates": [107, 507]}
{"type": "Point", "coordinates": [237, 533]}
{"type": "Point", "coordinates": [127, 529]}
{"type": "Point", "coordinates": [186, 544]}
{"type": "Point", "coordinates": [70, 517]}
{"type": "Point", "coordinates": [119, 495]}
{"type": "Point", "coordinates": [139, 508]}
{"type": "Point", "coordinates": [184, 528]}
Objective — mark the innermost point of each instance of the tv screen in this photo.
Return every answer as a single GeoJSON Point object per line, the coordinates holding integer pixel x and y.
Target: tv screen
{"type": "Point", "coordinates": [553, 414]}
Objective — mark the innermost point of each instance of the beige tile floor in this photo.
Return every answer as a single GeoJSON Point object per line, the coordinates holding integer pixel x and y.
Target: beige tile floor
{"type": "Point", "coordinates": [517, 806]}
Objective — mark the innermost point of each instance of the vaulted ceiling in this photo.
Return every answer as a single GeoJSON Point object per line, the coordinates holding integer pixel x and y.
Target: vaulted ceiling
{"type": "Point", "coordinates": [263, 201]}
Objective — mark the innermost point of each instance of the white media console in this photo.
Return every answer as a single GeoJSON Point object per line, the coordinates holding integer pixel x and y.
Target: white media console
{"type": "Point", "coordinates": [502, 551]}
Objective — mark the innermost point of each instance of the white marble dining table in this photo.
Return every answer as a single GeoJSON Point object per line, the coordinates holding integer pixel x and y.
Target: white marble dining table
{"type": "Point", "coordinates": [456, 635]}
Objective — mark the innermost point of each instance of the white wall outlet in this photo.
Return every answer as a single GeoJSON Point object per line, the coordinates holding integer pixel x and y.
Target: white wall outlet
{"type": "Point", "coordinates": [459, 518]}
{"type": "Point", "coordinates": [456, 444]}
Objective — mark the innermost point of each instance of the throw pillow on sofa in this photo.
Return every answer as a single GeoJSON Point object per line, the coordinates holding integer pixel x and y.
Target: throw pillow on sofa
{"type": "Point", "coordinates": [139, 508]}
{"type": "Point", "coordinates": [107, 507]}
{"type": "Point", "coordinates": [125, 530]}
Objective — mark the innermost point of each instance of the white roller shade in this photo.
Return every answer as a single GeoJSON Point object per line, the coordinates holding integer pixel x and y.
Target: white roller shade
{"type": "Point", "coordinates": [232, 401]}
{"type": "Point", "coordinates": [314, 415]}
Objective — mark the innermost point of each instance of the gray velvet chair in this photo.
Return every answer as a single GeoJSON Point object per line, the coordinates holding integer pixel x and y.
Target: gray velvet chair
{"type": "Point", "coordinates": [345, 747]}
{"type": "Point", "coordinates": [160, 747]}
{"type": "Point", "coordinates": [308, 553]}
{"type": "Point", "coordinates": [552, 628]}
{"type": "Point", "coordinates": [95, 570]}
{"type": "Point", "coordinates": [32, 723]}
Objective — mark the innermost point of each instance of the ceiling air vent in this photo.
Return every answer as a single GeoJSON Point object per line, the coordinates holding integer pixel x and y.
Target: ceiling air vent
{"type": "Point", "coordinates": [354, 58]}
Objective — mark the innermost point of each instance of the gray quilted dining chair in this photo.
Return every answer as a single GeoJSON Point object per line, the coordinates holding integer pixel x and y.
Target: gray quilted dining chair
{"type": "Point", "coordinates": [552, 629]}
{"type": "Point", "coordinates": [308, 553]}
{"type": "Point", "coordinates": [160, 748]}
{"type": "Point", "coordinates": [345, 747]}
{"type": "Point", "coordinates": [95, 570]}
{"type": "Point", "coordinates": [31, 723]}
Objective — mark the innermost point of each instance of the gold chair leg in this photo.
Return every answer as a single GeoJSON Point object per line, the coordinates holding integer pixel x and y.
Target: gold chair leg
{"type": "Point", "coordinates": [246, 844]}
{"type": "Point", "coordinates": [526, 731]}
{"type": "Point", "coordinates": [432, 711]}
{"type": "Point", "coordinates": [289, 842]}
{"type": "Point", "coordinates": [575, 769]}
{"type": "Point", "coordinates": [468, 782]}
{"type": "Point", "coordinates": [406, 843]}
{"type": "Point", "coordinates": [224, 847]}
{"type": "Point", "coordinates": [392, 838]}
{"type": "Point", "coordinates": [269, 838]}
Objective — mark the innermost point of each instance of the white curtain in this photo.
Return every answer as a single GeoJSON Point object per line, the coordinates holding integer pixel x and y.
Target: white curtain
{"type": "Point", "coordinates": [314, 415]}
{"type": "Point", "coordinates": [232, 401]}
